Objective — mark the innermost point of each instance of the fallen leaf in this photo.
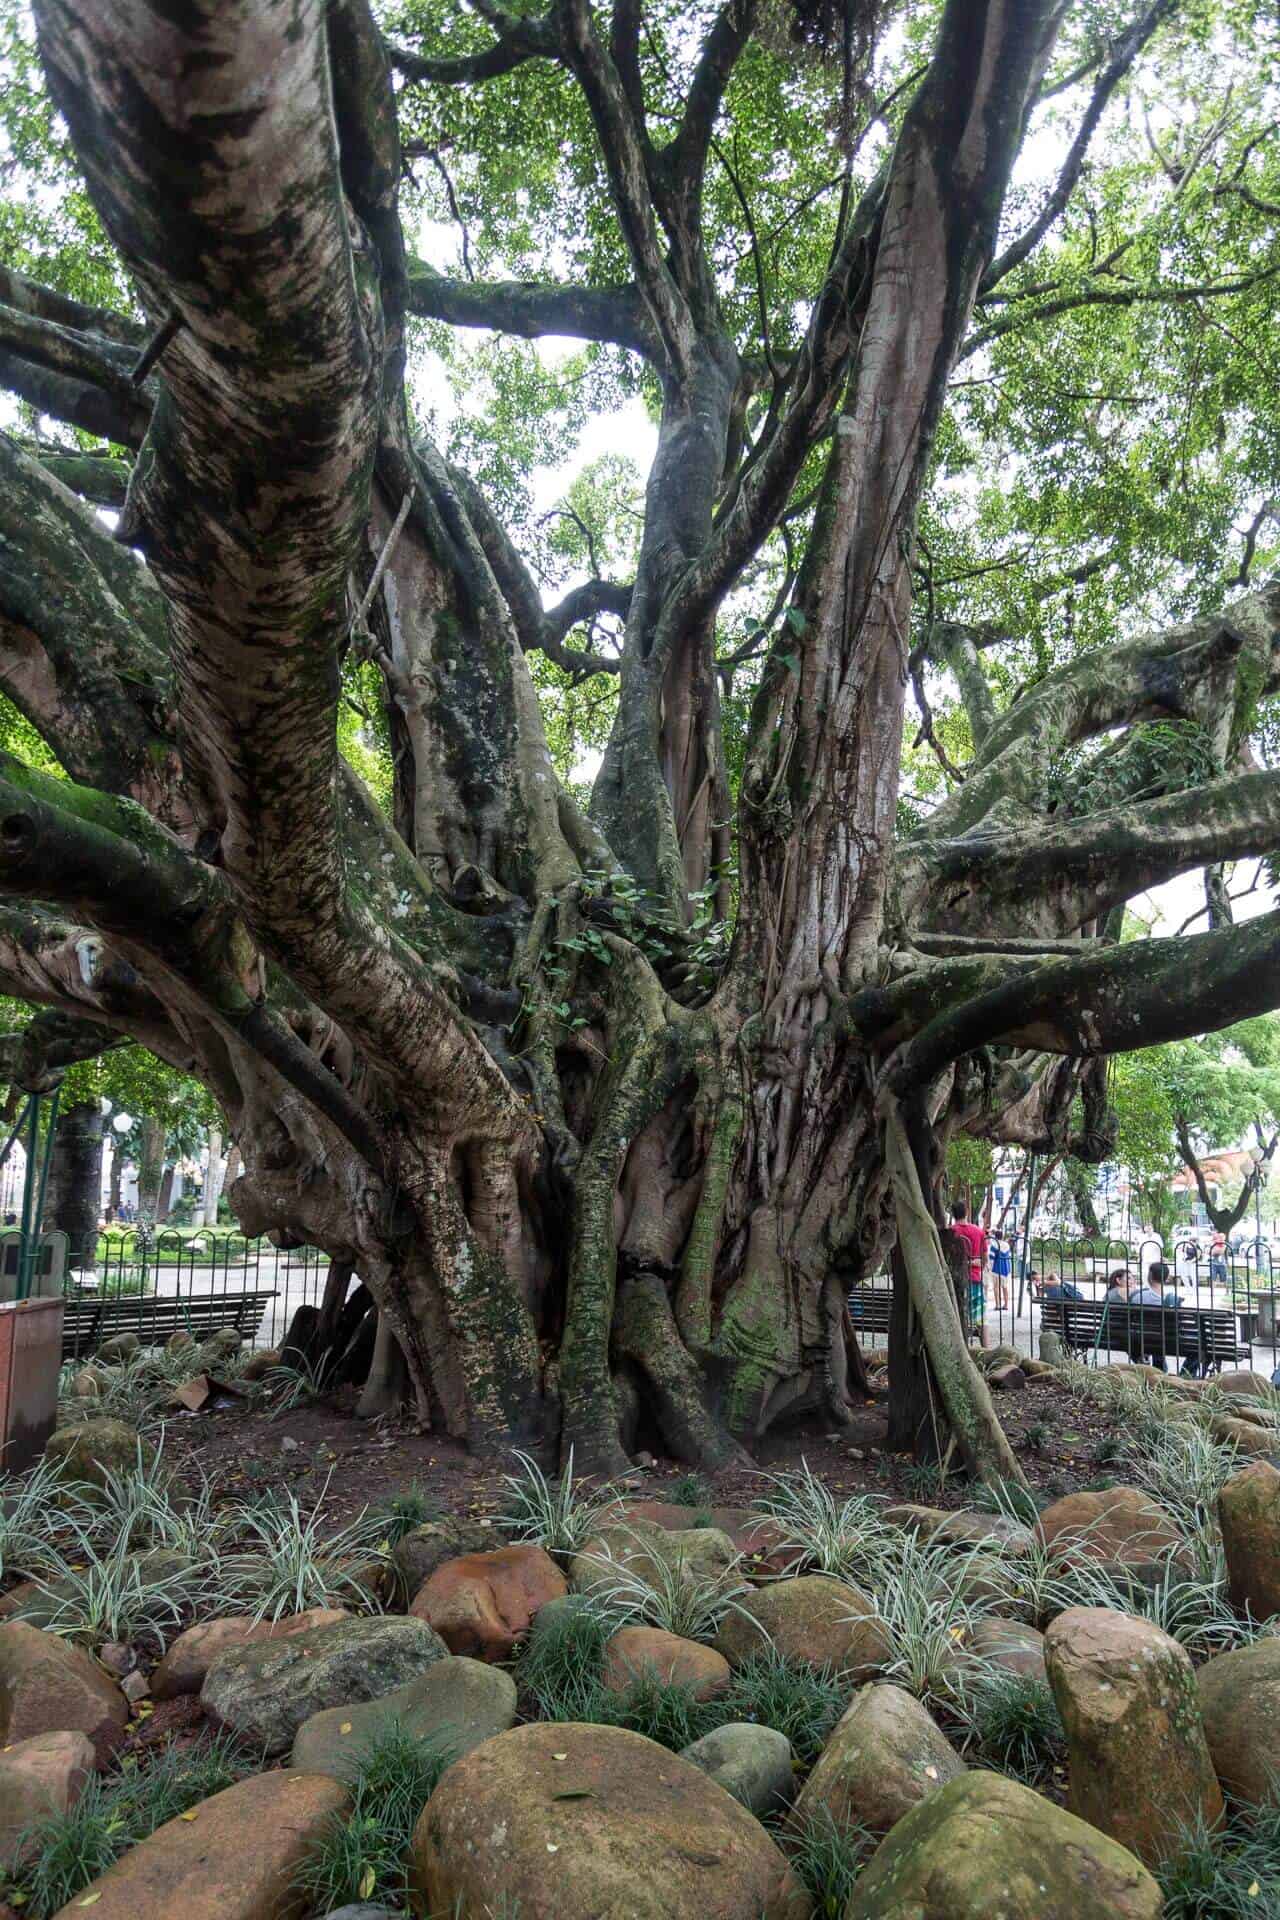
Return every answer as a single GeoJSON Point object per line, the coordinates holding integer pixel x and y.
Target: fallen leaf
{"type": "Point", "coordinates": [345, 1727]}
{"type": "Point", "coordinates": [190, 1814]}
{"type": "Point", "coordinates": [368, 1881]}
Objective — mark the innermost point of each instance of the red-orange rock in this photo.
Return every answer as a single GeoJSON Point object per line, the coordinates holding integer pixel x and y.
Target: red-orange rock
{"type": "Point", "coordinates": [192, 1654]}
{"type": "Point", "coordinates": [634, 1651]}
{"type": "Point", "coordinates": [234, 1857]}
{"type": "Point", "coordinates": [49, 1686]}
{"type": "Point", "coordinates": [39, 1777]}
{"type": "Point", "coordinates": [1124, 1525]}
{"type": "Point", "coordinates": [483, 1603]}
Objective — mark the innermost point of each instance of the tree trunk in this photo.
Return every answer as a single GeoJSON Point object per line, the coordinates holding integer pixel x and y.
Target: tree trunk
{"type": "Point", "coordinates": [150, 1173]}
{"type": "Point", "coordinates": [74, 1201]}
{"type": "Point", "coordinates": [212, 1179]}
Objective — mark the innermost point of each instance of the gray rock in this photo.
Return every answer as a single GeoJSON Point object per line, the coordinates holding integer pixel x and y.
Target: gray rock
{"type": "Point", "coordinates": [1052, 1351]}
{"type": "Point", "coordinates": [119, 1347]}
{"type": "Point", "coordinates": [415, 1558]}
{"type": "Point", "coordinates": [363, 1911]}
{"type": "Point", "coordinates": [460, 1701]}
{"type": "Point", "coordinates": [96, 1452]}
{"type": "Point", "coordinates": [264, 1691]}
{"type": "Point", "coordinates": [754, 1764]}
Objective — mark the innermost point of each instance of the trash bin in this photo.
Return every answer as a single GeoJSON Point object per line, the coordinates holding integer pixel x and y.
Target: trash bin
{"type": "Point", "coordinates": [30, 1361]}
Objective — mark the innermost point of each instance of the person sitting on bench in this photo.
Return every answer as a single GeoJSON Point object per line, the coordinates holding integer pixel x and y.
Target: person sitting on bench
{"type": "Point", "coordinates": [1149, 1344]}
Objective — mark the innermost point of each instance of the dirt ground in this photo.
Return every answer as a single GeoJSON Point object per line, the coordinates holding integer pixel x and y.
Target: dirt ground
{"type": "Point", "coordinates": [323, 1449]}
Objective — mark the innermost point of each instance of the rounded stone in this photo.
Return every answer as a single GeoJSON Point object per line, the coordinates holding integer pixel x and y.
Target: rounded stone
{"type": "Point", "coordinates": [234, 1857]}
{"type": "Point", "coordinates": [1249, 1513]}
{"type": "Point", "coordinates": [701, 1554]}
{"type": "Point", "coordinates": [95, 1453]}
{"type": "Point", "coordinates": [49, 1686]}
{"type": "Point", "coordinates": [1240, 1701]}
{"type": "Point", "coordinates": [415, 1557]}
{"type": "Point", "coordinates": [1127, 1696]}
{"type": "Point", "coordinates": [38, 1777]}
{"type": "Point", "coordinates": [984, 1846]}
{"type": "Point", "coordinates": [754, 1764]}
{"type": "Point", "coordinates": [189, 1657]}
{"type": "Point", "coordinates": [263, 1692]}
{"type": "Point", "coordinates": [1123, 1525]}
{"type": "Point", "coordinates": [883, 1756]}
{"type": "Point", "coordinates": [483, 1603]}
{"type": "Point", "coordinates": [636, 1651]}
{"type": "Point", "coordinates": [813, 1621]}
{"type": "Point", "coordinates": [595, 1823]}
{"type": "Point", "coordinates": [458, 1702]}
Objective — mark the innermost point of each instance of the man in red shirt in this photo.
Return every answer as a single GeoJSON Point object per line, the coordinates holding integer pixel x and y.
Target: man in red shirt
{"type": "Point", "coordinates": [975, 1239]}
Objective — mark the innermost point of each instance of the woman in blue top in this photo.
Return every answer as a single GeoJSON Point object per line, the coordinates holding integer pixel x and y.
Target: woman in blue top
{"type": "Point", "coordinates": [1001, 1268]}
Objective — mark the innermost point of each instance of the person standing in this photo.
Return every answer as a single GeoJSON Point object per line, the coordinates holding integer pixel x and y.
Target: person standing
{"type": "Point", "coordinates": [975, 1240]}
{"type": "Point", "coordinates": [1001, 1269]}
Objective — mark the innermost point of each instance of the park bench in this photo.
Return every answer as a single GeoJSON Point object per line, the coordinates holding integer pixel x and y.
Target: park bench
{"type": "Point", "coordinates": [869, 1309]}
{"type": "Point", "coordinates": [86, 1323]}
{"type": "Point", "coordinates": [1207, 1335]}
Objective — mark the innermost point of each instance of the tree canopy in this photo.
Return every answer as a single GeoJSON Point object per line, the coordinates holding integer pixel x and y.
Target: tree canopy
{"type": "Point", "coordinates": [595, 895]}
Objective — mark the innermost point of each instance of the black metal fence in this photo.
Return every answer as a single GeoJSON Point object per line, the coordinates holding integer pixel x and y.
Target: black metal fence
{"type": "Point", "coordinates": [164, 1282]}
{"type": "Point", "coordinates": [1207, 1311]}
{"type": "Point", "coordinates": [1201, 1310]}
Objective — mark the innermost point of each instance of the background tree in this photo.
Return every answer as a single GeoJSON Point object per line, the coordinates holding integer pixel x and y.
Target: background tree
{"type": "Point", "coordinates": [954, 323]}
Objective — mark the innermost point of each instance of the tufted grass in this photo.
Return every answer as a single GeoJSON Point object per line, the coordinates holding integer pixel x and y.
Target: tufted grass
{"type": "Point", "coordinates": [842, 1538]}
{"type": "Point", "coordinates": [558, 1668]}
{"type": "Point", "coordinates": [1012, 1724]}
{"type": "Point", "coordinates": [689, 1490]}
{"type": "Point", "coordinates": [407, 1508]}
{"type": "Point", "coordinates": [828, 1857]}
{"type": "Point", "coordinates": [285, 1563]}
{"type": "Point", "coordinates": [1228, 1873]}
{"type": "Point", "coordinates": [364, 1854]}
{"type": "Point", "coordinates": [664, 1712]}
{"type": "Point", "coordinates": [802, 1703]}
{"type": "Point", "coordinates": [666, 1594]}
{"type": "Point", "coordinates": [557, 1515]}
{"type": "Point", "coordinates": [60, 1856]}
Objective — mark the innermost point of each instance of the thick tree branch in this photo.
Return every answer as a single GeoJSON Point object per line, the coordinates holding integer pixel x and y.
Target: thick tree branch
{"type": "Point", "coordinates": [1222, 1218]}
{"type": "Point", "coordinates": [1138, 995]}
{"type": "Point", "coordinates": [518, 40]}
{"type": "Point", "coordinates": [84, 654]}
{"type": "Point", "coordinates": [81, 360]}
{"type": "Point", "coordinates": [623, 151]}
{"type": "Point", "coordinates": [36, 1056]}
{"type": "Point", "coordinates": [1111, 296]}
{"type": "Point", "coordinates": [1124, 51]}
{"type": "Point", "coordinates": [1185, 673]}
{"type": "Point", "coordinates": [46, 303]}
{"type": "Point", "coordinates": [532, 309]}
{"type": "Point", "coordinates": [1075, 870]}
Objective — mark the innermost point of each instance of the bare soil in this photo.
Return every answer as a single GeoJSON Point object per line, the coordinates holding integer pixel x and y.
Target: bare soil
{"type": "Point", "coordinates": [324, 1449]}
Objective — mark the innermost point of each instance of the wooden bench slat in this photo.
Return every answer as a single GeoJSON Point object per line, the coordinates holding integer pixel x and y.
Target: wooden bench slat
{"type": "Point", "coordinates": [1207, 1334]}
{"type": "Point", "coordinates": [87, 1323]}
